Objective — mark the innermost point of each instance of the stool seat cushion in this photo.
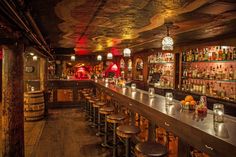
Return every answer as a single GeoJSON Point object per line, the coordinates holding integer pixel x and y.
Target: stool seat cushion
{"type": "Point", "coordinates": [96, 99]}
{"type": "Point", "coordinates": [151, 149]}
{"type": "Point", "coordinates": [115, 118]}
{"type": "Point", "coordinates": [128, 129]}
{"type": "Point", "coordinates": [91, 101]}
{"type": "Point", "coordinates": [106, 110]}
{"type": "Point", "coordinates": [100, 103]}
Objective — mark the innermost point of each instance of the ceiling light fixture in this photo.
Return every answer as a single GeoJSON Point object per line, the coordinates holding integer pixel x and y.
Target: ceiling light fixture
{"type": "Point", "coordinates": [35, 58]}
{"type": "Point", "coordinates": [72, 58]}
{"type": "Point", "coordinates": [109, 55]}
{"type": "Point", "coordinates": [127, 52]}
{"type": "Point", "coordinates": [99, 57]}
{"type": "Point", "coordinates": [167, 41]}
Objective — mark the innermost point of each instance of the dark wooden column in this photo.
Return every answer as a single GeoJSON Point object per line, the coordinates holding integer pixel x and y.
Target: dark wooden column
{"type": "Point", "coordinates": [12, 101]}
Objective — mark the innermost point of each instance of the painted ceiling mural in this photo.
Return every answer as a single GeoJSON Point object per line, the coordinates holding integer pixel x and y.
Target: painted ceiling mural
{"type": "Point", "coordinates": [99, 25]}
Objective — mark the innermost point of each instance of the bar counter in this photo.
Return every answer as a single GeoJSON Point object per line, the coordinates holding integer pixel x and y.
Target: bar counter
{"type": "Point", "coordinates": [198, 131]}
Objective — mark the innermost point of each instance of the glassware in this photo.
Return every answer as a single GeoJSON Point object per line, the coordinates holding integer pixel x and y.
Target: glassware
{"type": "Point", "coordinates": [169, 98]}
{"type": "Point", "coordinates": [218, 113]}
{"type": "Point", "coordinates": [151, 92]}
{"type": "Point", "coordinates": [106, 80]}
{"type": "Point", "coordinates": [133, 87]}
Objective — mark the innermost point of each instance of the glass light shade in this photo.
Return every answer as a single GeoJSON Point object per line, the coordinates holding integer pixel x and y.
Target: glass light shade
{"type": "Point", "coordinates": [127, 52]}
{"type": "Point", "coordinates": [167, 43]}
{"type": "Point", "coordinates": [109, 55]}
{"type": "Point", "coordinates": [99, 57]}
{"type": "Point", "coordinates": [72, 58]}
{"type": "Point", "coordinates": [35, 58]}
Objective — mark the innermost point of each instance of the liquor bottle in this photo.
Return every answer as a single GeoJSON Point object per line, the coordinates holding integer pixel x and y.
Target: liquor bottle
{"type": "Point", "coordinates": [209, 54]}
{"type": "Point", "coordinates": [231, 73]}
{"type": "Point", "coordinates": [220, 53]}
{"type": "Point", "coordinates": [214, 55]}
{"type": "Point", "coordinates": [204, 88]}
{"type": "Point", "coordinates": [206, 54]}
{"type": "Point", "coordinates": [234, 54]}
{"type": "Point", "coordinates": [220, 73]}
{"type": "Point", "coordinates": [193, 56]}
{"type": "Point", "coordinates": [225, 75]}
{"type": "Point", "coordinates": [184, 57]}
{"type": "Point", "coordinates": [224, 55]}
{"type": "Point", "coordinates": [196, 55]}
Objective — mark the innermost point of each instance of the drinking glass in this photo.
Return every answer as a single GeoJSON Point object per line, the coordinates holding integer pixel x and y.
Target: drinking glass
{"type": "Point", "coordinates": [169, 98]}
{"type": "Point", "coordinates": [133, 87]}
{"type": "Point", "coordinates": [218, 113]}
{"type": "Point", "coordinates": [151, 92]}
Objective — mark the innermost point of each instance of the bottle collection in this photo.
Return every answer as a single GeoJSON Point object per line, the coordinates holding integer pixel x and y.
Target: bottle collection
{"type": "Point", "coordinates": [212, 53]}
{"type": "Point", "coordinates": [210, 71]}
{"type": "Point", "coordinates": [161, 69]}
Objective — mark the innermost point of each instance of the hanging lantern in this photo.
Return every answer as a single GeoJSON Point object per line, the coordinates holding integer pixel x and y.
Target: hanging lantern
{"type": "Point", "coordinates": [127, 52]}
{"type": "Point", "coordinates": [72, 58]}
{"type": "Point", "coordinates": [35, 58]}
{"type": "Point", "coordinates": [167, 41]}
{"type": "Point", "coordinates": [109, 55]}
{"type": "Point", "coordinates": [99, 57]}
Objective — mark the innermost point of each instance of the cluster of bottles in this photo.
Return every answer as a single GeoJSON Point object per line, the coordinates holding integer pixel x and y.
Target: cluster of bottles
{"type": "Point", "coordinates": [215, 71]}
{"type": "Point", "coordinates": [161, 57]}
{"type": "Point", "coordinates": [163, 69]}
{"type": "Point", "coordinates": [211, 88]}
{"type": "Point", "coordinates": [213, 53]}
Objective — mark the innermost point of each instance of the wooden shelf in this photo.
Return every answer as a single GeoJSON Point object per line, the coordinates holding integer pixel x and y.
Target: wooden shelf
{"type": "Point", "coordinates": [209, 79]}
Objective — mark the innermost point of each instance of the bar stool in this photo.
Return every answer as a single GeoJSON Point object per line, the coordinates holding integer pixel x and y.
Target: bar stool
{"type": "Point", "coordinates": [150, 148]}
{"type": "Point", "coordinates": [115, 119]}
{"type": "Point", "coordinates": [126, 132]}
{"type": "Point", "coordinates": [96, 105]}
{"type": "Point", "coordinates": [99, 124]}
{"type": "Point", "coordinates": [106, 110]}
{"type": "Point", "coordinates": [93, 110]}
{"type": "Point", "coordinates": [90, 104]}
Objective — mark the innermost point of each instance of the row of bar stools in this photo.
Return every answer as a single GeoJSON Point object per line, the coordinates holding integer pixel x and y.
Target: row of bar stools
{"type": "Point", "coordinates": [106, 110]}
{"type": "Point", "coordinates": [115, 119]}
{"type": "Point", "coordinates": [127, 132]}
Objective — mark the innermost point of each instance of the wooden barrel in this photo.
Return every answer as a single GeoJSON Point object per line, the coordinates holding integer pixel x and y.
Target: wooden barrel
{"type": "Point", "coordinates": [34, 105]}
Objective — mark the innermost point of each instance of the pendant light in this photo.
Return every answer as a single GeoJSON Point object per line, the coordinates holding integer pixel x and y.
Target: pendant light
{"type": "Point", "coordinates": [127, 52]}
{"type": "Point", "coordinates": [99, 57]}
{"type": "Point", "coordinates": [167, 41]}
{"type": "Point", "coordinates": [109, 55]}
{"type": "Point", "coordinates": [72, 58]}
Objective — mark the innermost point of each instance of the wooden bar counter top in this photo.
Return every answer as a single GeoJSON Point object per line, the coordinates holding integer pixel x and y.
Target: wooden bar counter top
{"type": "Point", "coordinates": [199, 131]}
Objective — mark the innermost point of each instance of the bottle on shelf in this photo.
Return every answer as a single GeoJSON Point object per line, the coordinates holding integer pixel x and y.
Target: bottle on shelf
{"type": "Point", "coordinates": [231, 73]}
{"type": "Point", "coordinates": [234, 54]}
{"type": "Point", "coordinates": [224, 55]}
{"type": "Point", "coordinates": [220, 54]}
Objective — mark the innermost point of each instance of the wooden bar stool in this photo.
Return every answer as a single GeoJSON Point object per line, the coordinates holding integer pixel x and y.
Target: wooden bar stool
{"type": "Point", "coordinates": [115, 119]}
{"type": "Point", "coordinates": [94, 110]}
{"type": "Point", "coordinates": [150, 148]}
{"type": "Point", "coordinates": [106, 110]}
{"type": "Point", "coordinates": [126, 132]}
{"type": "Point", "coordinates": [100, 104]}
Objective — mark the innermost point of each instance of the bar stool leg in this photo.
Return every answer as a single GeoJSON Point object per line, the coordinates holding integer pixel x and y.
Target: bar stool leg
{"type": "Point", "coordinates": [104, 144]}
{"type": "Point", "coordinates": [114, 140]}
{"type": "Point", "coordinates": [90, 112]}
{"type": "Point", "coordinates": [127, 147]}
{"type": "Point", "coordinates": [94, 117]}
{"type": "Point", "coordinates": [99, 125]}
